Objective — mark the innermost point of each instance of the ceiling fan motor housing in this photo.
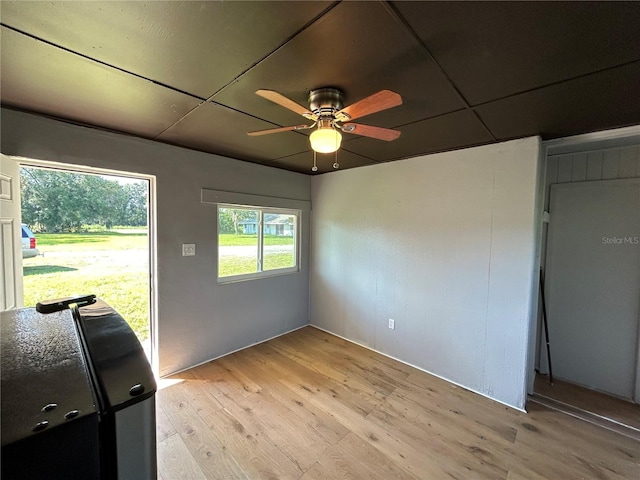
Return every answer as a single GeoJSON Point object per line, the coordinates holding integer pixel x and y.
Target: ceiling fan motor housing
{"type": "Point", "coordinates": [326, 102]}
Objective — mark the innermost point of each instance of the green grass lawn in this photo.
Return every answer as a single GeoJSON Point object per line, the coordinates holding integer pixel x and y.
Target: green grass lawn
{"type": "Point", "coordinates": [53, 242]}
{"type": "Point", "coordinates": [230, 264]}
{"type": "Point", "coordinates": [113, 266]}
{"type": "Point", "coordinates": [229, 240]}
{"type": "Point", "coordinates": [234, 265]}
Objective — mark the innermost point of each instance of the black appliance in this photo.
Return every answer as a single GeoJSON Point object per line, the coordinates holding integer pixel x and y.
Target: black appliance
{"type": "Point", "coordinates": [77, 394]}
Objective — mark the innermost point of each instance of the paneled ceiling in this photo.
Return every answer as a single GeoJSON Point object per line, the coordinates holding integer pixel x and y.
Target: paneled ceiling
{"type": "Point", "coordinates": [186, 73]}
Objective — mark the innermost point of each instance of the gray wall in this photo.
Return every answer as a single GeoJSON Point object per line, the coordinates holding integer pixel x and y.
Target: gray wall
{"type": "Point", "coordinates": [197, 318]}
{"type": "Point", "coordinates": [444, 244]}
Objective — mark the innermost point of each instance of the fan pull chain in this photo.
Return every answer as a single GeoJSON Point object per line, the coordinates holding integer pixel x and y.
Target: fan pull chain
{"type": "Point", "coordinates": [335, 164]}
{"type": "Point", "coordinates": [314, 168]}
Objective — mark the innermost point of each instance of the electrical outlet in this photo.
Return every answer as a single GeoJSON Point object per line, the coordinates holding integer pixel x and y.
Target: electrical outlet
{"type": "Point", "coordinates": [392, 324]}
{"type": "Point", "coordinates": [188, 249]}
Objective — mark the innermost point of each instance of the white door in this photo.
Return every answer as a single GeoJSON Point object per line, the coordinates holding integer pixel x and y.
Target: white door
{"type": "Point", "coordinates": [593, 284]}
{"type": "Point", "coordinates": [10, 235]}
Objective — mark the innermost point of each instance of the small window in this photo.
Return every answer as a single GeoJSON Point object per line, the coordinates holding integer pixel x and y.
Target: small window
{"type": "Point", "coordinates": [255, 242]}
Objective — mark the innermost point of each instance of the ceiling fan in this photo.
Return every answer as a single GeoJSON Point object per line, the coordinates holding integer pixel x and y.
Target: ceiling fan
{"type": "Point", "coordinates": [328, 114]}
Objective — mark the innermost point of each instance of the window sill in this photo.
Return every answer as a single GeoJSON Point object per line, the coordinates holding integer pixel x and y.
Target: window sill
{"type": "Point", "coordinates": [258, 275]}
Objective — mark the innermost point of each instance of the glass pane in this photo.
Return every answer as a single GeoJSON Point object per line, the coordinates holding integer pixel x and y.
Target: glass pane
{"type": "Point", "coordinates": [237, 241]}
{"type": "Point", "coordinates": [279, 241]}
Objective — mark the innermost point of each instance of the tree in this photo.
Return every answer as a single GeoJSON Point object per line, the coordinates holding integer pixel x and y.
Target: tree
{"type": "Point", "coordinates": [51, 200]}
{"type": "Point", "coordinates": [135, 213]}
{"type": "Point", "coordinates": [230, 219]}
{"type": "Point", "coordinates": [55, 201]}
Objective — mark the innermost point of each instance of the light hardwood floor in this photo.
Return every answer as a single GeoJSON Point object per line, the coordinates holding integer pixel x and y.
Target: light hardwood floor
{"type": "Point", "coordinates": [599, 403]}
{"type": "Point", "coordinates": [309, 405]}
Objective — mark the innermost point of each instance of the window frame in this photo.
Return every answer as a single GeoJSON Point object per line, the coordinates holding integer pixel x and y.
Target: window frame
{"type": "Point", "coordinates": [261, 273]}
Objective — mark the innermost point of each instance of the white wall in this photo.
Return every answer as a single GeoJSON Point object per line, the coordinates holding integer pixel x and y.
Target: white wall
{"type": "Point", "coordinates": [593, 286]}
{"type": "Point", "coordinates": [198, 319]}
{"type": "Point", "coordinates": [587, 163]}
{"type": "Point", "coordinates": [597, 164]}
{"type": "Point", "coordinates": [445, 245]}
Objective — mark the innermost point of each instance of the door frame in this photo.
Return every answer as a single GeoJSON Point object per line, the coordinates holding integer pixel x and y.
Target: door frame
{"type": "Point", "coordinates": [618, 137]}
{"type": "Point", "coordinates": [11, 295]}
{"type": "Point", "coordinates": [152, 234]}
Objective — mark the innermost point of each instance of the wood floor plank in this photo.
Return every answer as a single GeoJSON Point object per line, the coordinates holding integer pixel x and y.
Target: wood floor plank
{"type": "Point", "coordinates": [287, 366]}
{"type": "Point", "coordinates": [308, 378]}
{"type": "Point", "coordinates": [218, 377]}
{"type": "Point", "coordinates": [299, 440]}
{"type": "Point", "coordinates": [258, 455]}
{"type": "Point", "coordinates": [322, 423]}
{"type": "Point", "coordinates": [358, 402]}
{"type": "Point", "coordinates": [249, 387]}
{"type": "Point", "coordinates": [320, 472]}
{"type": "Point", "coordinates": [349, 364]}
{"type": "Point", "coordinates": [199, 397]}
{"type": "Point", "coordinates": [448, 418]}
{"type": "Point", "coordinates": [471, 454]}
{"type": "Point", "coordinates": [299, 444]}
{"type": "Point", "coordinates": [622, 411]}
{"type": "Point", "coordinates": [519, 472]}
{"type": "Point", "coordinates": [175, 460]}
{"type": "Point", "coordinates": [411, 458]}
{"type": "Point", "coordinates": [590, 451]}
{"type": "Point", "coordinates": [205, 446]}
{"type": "Point", "coordinates": [164, 427]}
{"type": "Point", "coordinates": [336, 344]}
{"type": "Point", "coordinates": [365, 460]}
{"type": "Point", "coordinates": [310, 406]}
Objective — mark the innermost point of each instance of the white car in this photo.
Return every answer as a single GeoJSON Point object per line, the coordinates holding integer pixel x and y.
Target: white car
{"type": "Point", "coordinates": [28, 243]}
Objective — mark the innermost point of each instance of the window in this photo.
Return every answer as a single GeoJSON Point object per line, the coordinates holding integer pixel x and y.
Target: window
{"type": "Point", "coordinates": [256, 242]}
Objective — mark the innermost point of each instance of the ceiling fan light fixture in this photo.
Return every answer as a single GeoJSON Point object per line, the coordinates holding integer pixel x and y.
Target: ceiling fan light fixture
{"type": "Point", "coordinates": [328, 114]}
{"type": "Point", "coordinates": [325, 140]}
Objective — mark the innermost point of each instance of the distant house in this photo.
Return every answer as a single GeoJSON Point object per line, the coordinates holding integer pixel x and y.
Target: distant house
{"type": "Point", "coordinates": [280, 225]}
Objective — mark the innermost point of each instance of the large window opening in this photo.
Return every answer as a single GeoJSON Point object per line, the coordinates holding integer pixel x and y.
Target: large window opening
{"type": "Point", "coordinates": [256, 242]}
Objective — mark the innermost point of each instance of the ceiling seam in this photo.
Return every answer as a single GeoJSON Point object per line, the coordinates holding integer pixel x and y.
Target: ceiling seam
{"type": "Point", "coordinates": [86, 57]}
{"type": "Point", "coordinates": [211, 102]}
{"type": "Point", "coordinates": [180, 119]}
{"type": "Point", "coordinates": [431, 118]}
{"type": "Point", "coordinates": [559, 82]}
{"type": "Point", "coordinates": [60, 47]}
{"type": "Point", "coordinates": [486, 127]}
{"type": "Point", "coordinates": [202, 99]}
{"type": "Point", "coordinates": [279, 47]}
{"type": "Point", "coordinates": [71, 121]}
{"type": "Point", "coordinates": [425, 50]}
{"type": "Point", "coordinates": [209, 99]}
{"type": "Point", "coordinates": [414, 36]}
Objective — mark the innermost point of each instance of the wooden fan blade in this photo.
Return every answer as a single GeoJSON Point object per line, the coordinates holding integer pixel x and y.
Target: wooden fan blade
{"type": "Point", "coordinates": [374, 132]}
{"type": "Point", "coordinates": [257, 133]}
{"type": "Point", "coordinates": [285, 102]}
{"type": "Point", "coordinates": [373, 103]}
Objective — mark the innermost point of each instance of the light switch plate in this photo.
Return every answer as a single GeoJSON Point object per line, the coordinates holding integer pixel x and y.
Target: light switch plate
{"type": "Point", "coordinates": [188, 249]}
